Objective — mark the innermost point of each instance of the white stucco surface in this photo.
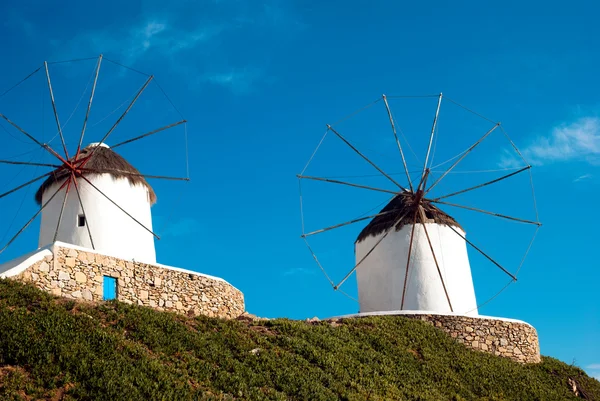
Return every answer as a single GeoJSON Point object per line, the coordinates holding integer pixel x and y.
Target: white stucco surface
{"type": "Point", "coordinates": [411, 312]}
{"type": "Point", "coordinates": [18, 265]}
{"type": "Point", "coordinates": [113, 232]}
{"type": "Point", "coordinates": [381, 275]}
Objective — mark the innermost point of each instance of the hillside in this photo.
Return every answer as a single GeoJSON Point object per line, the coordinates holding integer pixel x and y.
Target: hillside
{"type": "Point", "coordinates": [57, 349]}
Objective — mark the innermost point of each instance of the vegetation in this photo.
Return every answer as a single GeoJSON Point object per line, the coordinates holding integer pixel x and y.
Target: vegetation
{"type": "Point", "coordinates": [57, 349]}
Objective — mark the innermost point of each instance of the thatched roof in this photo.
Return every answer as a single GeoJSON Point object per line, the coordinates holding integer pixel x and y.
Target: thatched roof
{"type": "Point", "coordinates": [103, 161]}
{"type": "Point", "coordinates": [402, 212]}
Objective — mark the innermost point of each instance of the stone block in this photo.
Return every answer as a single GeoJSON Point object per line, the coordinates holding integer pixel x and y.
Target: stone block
{"type": "Point", "coordinates": [64, 276]}
{"type": "Point", "coordinates": [70, 262]}
{"type": "Point", "coordinates": [80, 277]}
{"type": "Point", "coordinates": [44, 267]}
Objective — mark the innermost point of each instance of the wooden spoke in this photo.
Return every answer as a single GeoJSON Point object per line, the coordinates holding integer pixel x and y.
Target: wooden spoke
{"type": "Point", "coordinates": [345, 224]}
{"type": "Point", "coordinates": [435, 258]}
{"type": "Point", "coordinates": [26, 184]}
{"type": "Point", "coordinates": [60, 133]}
{"type": "Point", "coordinates": [389, 112]}
{"type": "Point", "coordinates": [149, 133]}
{"type": "Point", "coordinates": [462, 157]}
{"type": "Point", "coordinates": [483, 253]}
{"type": "Point", "coordinates": [43, 145]}
{"type": "Point", "coordinates": [89, 107]}
{"type": "Point", "coordinates": [87, 222]}
{"type": "Point", "coordinates": [106, 170]}
{"type": "Point", "coordinates": [120, 208]}
{"type": "Point", "coordinates": [490, 213]}
{"type": "Point", "coordinates": [437, 113]}
{"type": "Point", "coordinates": [62, 209]}
{"type": "Point", "coordinates": [29, 163]}
{"type": "Point", "coordinates": [412, 235]}
{"type": "Point", "coordinates": [484, 184]}
{"type": "Point", "coordinates": [365, 157]}
{"type": "Point", "coordinates": [32, 219]}
{"type": "Point", "coordinates": [137, 95]}
{"type": "Point", "coordinates": [360, 261]}
{"type": "Point", "coordinates": [346, 183]}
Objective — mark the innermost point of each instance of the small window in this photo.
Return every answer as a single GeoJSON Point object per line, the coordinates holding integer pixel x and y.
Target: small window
{"type": "Point", "coordinates": [109, 288]}
{"type": "Point", "coordinates": [81, 220]}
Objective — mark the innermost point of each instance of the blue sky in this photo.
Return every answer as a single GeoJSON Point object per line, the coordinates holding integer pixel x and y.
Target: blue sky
{"type": "Point", "coordinates": [258, 81]}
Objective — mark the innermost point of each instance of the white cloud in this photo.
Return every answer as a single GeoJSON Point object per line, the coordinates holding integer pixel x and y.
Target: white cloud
{"type": "Point", "coordinates": [583, 177]}
{"type": "Point", "coordinates": [575, 141]}
{"type": "Point", "coordinates": [239, 81]}
{"type": "Point", "coordinates": [593, 366]}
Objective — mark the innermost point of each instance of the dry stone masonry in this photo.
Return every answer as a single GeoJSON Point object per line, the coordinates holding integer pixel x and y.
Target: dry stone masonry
{"type": "Point", "coordinates": [515, 340]}
{"type": "Point", "coordinates": [78, 274]}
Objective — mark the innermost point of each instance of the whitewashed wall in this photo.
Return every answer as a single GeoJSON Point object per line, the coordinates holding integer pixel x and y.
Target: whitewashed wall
{"type": "Point", "coordinates": [113, 232]}
{"type": "Point", "coordinates": [381, 275]}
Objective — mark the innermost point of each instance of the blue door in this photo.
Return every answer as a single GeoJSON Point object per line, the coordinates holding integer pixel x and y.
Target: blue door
{"type": "Point", "coordinates": [109, 288]}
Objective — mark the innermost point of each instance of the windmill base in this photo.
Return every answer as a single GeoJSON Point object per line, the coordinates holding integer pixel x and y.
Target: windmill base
{"type": "Point", "coordinates": [79, 273]}
{"type": "Point", "coordinates": [509, 338]}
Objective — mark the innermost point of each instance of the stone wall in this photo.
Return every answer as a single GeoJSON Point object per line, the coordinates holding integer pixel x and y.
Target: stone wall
{"type": "Point", "coordinates": [515, 340]}
{"type": "Point", "coordinates": [78, 274]}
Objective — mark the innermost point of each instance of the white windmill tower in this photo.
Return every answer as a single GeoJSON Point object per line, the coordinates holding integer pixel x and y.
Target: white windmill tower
{"type": "Point", "coordinates": [86, 208]}
{"type": "Point", "coordinates": [412, 256]}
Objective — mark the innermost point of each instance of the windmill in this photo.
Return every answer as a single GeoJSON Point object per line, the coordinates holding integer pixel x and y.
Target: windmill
{"type": "Point", "coordinates": [91, 196]}
{"type": "Point", "coordinates": [413, 255]}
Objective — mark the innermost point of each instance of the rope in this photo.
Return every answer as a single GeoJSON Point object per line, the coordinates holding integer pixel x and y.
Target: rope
{"type": "Point", "coordinates": [23, 199]}
{"type": "Point", "coordinates": [469, 110]}
{"type": "Point", "coordinates": [356, 112]}
{"type": "Point", "coordinates": [187, 158]}
{"type": "Point", "coordinates": [72, 60]}
{"type": "Point", "coordinates": [411, 96]}
{"type": "Point", "coordinates": [169, 99]}
{"type": "Point", "coordinates": [314, 153]}
{"type": "Point", "coordinates": [124, 66]}
{"type": "Point", "coordinates": [437, 129]}
{"type": "Point", "coordinates": [20, 82]}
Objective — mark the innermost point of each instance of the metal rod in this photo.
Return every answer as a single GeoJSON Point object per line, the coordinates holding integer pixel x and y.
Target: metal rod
{"type": "Point", "coordinates": [114, 203]}
{"type": "Point", "coordinates": [389, 112]}
{"type": "Point", "coordinates": [162, 177]}
{"type": "Point", "coordinates": [32, 219]}
{"type": "Point", "coordinates": [60, 133]}
{"type": "Point", "coordinates": [535, 223]}
{"type": "Point", "coordinates": [346, 183]}
{"type": "Point", "coordinates": [483, 185]}
{"type": "Point", "coordinates": [365, 157]}
{"type": "Point", "coordinates": [462, 157]}
{"type": "Point", "coordinates": [483, 253]}
{"type": "Point", "coordinates": [62, 209]}
{"type": "Point", "coordinates": [87, 113]}
{"type": "Point", "coordinates": [437, 113]}
{"type": "Point", "coordinates": [360, 261]}
{"type": "Point", "coordinates": [137, 95]}
{"type": "Point", "coordinates": [149, 133]}
{"type": "Point", "coordinates": [87, 223]}
{"type": "Point", "coordinates": [43, 145]}
{"type": "Point", "coordinates": [346, 223]}
{"type": "Point", "coordinates": [24, 185]}
{"type": "Point", "coordinates": [435, 259]}
{"type": "Point", "coordinates": [30, 163]}
{"type": "Point", "coordinates": [412, 235]}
